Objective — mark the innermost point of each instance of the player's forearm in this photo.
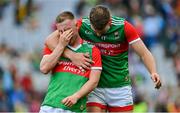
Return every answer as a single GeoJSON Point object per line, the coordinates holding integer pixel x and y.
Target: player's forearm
{"type": "Point", "coordinates": [145, 55]}
{"type": "Point", "coordinates": [68, 53]}
{"type": "Point", "coordinates": [149, 62]}
{"type": "Point", "coordinates": [49, 61]}
{"type": "Point", "coordinates": [52, 40]}
{"type": "Point", "coordinates": [88, 86]}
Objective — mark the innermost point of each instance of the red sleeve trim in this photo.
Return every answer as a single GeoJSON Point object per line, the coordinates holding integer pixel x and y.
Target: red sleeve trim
{"type": "Point", "coordinates": [130, 32]}
{"type": "Point", "coordinates": [96, 56]}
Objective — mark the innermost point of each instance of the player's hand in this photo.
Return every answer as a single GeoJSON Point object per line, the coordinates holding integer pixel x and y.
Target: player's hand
{"type": "Point", "coordinates": [70, 100]}
{"type": "Point", "coordinates": [156, 79]}
{"type": "Point", "coordinates": [82, 60]}
{"type": "Point", "coordinates": [65, 37]}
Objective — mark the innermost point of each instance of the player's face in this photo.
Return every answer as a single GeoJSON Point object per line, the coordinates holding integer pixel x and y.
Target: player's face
{"type": "Point", "coordinates": [66, 25]}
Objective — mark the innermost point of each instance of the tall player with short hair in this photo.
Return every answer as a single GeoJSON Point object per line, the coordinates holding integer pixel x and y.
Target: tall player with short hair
{"type": "Point", "coordinates": [69, 85]}
{"type": "Point", "coordinates": [112, 35]}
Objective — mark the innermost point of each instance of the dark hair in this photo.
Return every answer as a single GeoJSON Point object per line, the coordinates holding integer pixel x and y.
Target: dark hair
{"type": "Point", "coordinates": [99, 17]}
{"type": "Point", "coordinates": [63, 16]}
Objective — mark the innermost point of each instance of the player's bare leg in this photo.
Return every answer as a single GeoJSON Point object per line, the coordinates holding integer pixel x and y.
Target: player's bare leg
{"type": "Point", "coordinates": [95, 109]}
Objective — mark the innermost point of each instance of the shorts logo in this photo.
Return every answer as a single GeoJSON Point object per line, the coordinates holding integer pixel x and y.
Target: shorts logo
{"type": "Point", "coordinates": [129, 103]}
{"type": "Point", "coordinates": [126, 78]}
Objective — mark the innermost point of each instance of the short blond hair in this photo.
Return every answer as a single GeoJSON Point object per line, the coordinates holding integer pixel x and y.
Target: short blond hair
{"type": "Point", "coordinates": [63, 16]}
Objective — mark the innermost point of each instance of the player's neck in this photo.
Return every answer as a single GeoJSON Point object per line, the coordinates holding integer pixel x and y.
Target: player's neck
{"type": "Point", "coordinates": [76, 42]}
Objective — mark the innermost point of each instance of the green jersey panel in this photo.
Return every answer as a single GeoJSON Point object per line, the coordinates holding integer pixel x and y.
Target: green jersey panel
{"type": "Point", "coordinates": [114, 52]}
{"type": "Point", "coordinates": [67, 79]}
{"type": "Point", "coordinates": [64, 84]}
{"type": "Point", "coordinates": [112, 35]}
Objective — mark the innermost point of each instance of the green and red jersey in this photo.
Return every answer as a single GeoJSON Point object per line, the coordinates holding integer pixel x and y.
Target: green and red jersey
{"type": "Point", "coordinates": [67, 79]}
{"type": "Point", "coordinates": [114, 50]}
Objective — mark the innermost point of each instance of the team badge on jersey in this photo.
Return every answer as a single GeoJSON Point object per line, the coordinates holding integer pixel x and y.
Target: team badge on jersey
{"type": "Point", "coordinates": [81, 107]}
{"type": "Point", "coordinates": [116, 35]}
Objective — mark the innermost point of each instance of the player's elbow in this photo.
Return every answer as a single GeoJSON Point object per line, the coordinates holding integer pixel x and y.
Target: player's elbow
{"type": "Point", "coordinates": [95, 83]}
{"type": "Point", "coordinates": [44, 69]}
{"type": "Point", "coordinates": [46, 42]}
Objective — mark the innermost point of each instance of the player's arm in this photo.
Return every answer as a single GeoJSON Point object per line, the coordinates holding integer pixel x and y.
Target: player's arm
{"type": "Point", "coordinates": [52, 40]}
{"type": "Point", "coordinates": [79, 59]}
{"type": "Point", "coordinates": [87, 88]}
{"type": "Point", "coordinates": [90, 84]}
{"type": "Point", "coordinates": [49, 61]}
{"type": "Point", "coordinates": [146, 56]}
{"type": "Point", "coordinates": [148, 60]}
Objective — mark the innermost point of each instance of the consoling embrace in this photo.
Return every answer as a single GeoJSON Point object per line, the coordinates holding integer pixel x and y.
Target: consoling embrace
{"type": "Point", "coordinates": [74, 52]}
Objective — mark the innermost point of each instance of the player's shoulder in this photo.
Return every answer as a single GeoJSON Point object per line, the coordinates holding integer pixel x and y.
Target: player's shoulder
{"type": "Point", "coordinates": [117, 21]}
{"type": "Point", "coordinates": [85, 20]}
{"type": "Point", "coordinates": [88, 45]}
{"type": "Point", "coordinates": [91, 46]}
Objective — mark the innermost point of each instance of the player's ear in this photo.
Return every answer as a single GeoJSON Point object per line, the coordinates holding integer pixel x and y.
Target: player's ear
{"type": "Point", "coordinates": [76, 23]}
{"type": "Point", "coordinates": [57, 25]}
{"type": "Point", "coordinates": [109, 22]}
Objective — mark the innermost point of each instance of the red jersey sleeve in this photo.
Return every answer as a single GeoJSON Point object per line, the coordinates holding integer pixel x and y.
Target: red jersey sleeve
{"type": "Point", "coordinates": [96, 56]}
{"type": "Point", "coordinates": [79, 23]}
{"type": "Point", "coordinates": [130, 33]}
{"type": "Point", "coordinates": [46, 51]}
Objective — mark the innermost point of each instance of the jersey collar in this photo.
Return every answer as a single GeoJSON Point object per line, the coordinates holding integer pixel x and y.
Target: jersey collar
{"type": "Point", "coordinates": [74, 48]}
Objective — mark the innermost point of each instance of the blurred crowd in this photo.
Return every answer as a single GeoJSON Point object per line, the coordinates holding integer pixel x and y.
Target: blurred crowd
{"type": "Point", "coordinates": [157, 21]}
{"type": "Point", "coordinates": [17, 89]}
{"type": "Point", "coordinates": [24, 11]}
{"type": "Point", "coordinates": [158, 24]}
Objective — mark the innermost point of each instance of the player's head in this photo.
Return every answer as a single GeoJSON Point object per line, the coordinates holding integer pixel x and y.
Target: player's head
{"type": "Point", "coordinates": [65, 21]}
{"type": "Point", "coordinates": [100, 19]}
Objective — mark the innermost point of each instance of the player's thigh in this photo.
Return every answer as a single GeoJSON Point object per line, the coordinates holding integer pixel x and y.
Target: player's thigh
{"type": "Point", "coordinates": [95, 109]}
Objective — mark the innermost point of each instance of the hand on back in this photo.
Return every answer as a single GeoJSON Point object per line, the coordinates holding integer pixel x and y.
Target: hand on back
{"type": "Point", "coordinates": [82, 60]}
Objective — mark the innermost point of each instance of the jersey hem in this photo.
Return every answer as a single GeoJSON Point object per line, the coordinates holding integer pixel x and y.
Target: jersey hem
{"type": "Point", "coordinates": [74, 110]}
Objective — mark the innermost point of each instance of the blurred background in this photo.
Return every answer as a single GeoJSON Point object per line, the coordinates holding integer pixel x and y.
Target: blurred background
{"type": "Point", "coordinates": [24, 25]}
